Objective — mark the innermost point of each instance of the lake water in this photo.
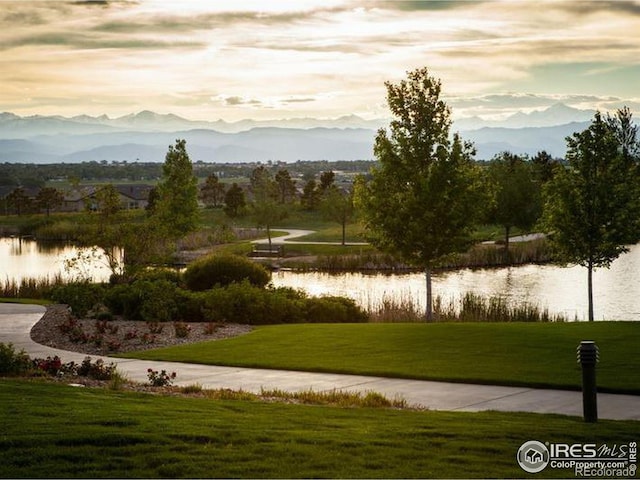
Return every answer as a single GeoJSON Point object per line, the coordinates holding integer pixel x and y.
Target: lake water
{"type": "Point", "coordinates": [561, 290]}
{"type": "Point", "coordinates": [26, 258]}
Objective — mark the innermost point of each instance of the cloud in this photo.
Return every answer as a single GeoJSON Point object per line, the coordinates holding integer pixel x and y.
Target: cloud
{"type": "Point", "coordinates": [234, 100]}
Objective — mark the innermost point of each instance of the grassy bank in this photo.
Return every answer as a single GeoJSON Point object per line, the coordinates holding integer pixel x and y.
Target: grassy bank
{"type": "Point", "coordinates": [56, 431]}
{"type": "Point", "coordinates": [531, 354]}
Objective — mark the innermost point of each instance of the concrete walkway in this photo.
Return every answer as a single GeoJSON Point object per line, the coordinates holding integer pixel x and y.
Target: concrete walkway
{"type": "Point", "coordinates": [297, 233]}
{"type": "Point", "coordinates": [16, 322]}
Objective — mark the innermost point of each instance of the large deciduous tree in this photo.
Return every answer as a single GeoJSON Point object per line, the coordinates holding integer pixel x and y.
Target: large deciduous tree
{"type": "Point", "coordinates": [177, 203]}
{"type": "Point", "coordinates": [424, 197]}
{"type": "Point", "coordinates": [592, 205]}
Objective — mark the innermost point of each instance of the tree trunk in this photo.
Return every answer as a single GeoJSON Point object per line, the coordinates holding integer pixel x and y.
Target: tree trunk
{"type": "Point", "coordinates": [590, 288]}
{"type": "Point", "coordinates": [506, 240]}
{"type": "Point", "coordinates": [344, 232]}
{"type": "Point", "coordinates": [269, 237]}
{"type": "Point", "coordinates": [429, 309]}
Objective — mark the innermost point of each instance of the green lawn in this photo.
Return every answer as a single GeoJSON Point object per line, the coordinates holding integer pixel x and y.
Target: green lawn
{"type": "Point", "coordinates": [57, 431]}
{"type": "Point", "coordinates": [26, 301]}
{"type": "Point", "coordinates": [533, 354]}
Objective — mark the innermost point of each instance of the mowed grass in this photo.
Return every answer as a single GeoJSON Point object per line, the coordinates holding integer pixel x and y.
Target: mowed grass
{"type": "Point", "coordinates": [523, 354]}
{"type": "Point", "coordinates": [56, 431]}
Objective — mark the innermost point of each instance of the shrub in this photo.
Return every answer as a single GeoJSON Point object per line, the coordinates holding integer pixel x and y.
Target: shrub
{"type": "Point", "coordinates": [182, 329]}
{"type": "Point", "coordinates": [244, 303]}
{"type": "Point", "coordinates": [80, 296]}
{"type": "Point", "coordinates": [98, 370]}
{"type": "Point", "coordinates": [223, 270]}
{"type": "Point", "coordinates": [156, 274]}
{"type": "Point", "coordinates": [12, 362]}
{"type": "Point", "coordinates": [334, 310]}
{"type": "Point", "coordinates": [160, 379]}
{"type": "Point", "coordinates": [152, 301]}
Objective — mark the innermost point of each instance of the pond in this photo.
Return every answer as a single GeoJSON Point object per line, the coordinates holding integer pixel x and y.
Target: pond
{"type": "Point", "coordinates": [25, 258]}
{"type": "Point", "coordinates": [561, 290]}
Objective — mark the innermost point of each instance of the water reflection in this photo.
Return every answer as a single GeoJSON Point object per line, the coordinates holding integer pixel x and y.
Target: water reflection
{"type": "Point", "coordinates": [25, 258]}
{"type": "Point", "coordinates": [561, 290]}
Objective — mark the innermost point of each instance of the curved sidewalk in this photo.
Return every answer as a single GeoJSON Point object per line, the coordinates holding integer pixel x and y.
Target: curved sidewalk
{"type": "Point", "coordinates": [17, 320]}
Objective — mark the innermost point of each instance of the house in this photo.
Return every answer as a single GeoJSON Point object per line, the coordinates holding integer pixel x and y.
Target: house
{"type": "Point", "coordinates": [132, 197]}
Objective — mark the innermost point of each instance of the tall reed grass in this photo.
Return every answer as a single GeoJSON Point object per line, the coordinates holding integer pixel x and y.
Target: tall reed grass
{"type": "Point", "coordinates": [469, 308]}
{"type": "Point", "coordinates": [30, 287]}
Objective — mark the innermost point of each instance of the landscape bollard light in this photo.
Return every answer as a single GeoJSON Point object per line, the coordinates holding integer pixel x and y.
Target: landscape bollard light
{"type": "Point", "coordinates": [588, 356]}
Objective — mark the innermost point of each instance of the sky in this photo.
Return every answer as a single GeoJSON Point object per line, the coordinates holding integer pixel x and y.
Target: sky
{"type": "Point", "coordinates": [232, 60]}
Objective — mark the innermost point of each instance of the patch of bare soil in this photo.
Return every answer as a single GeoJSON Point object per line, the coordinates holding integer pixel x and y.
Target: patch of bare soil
{"type": "Point", "coordinates": [58, 329]}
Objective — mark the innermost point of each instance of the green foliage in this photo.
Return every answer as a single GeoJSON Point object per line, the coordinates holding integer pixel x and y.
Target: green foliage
{"type": "Point", "coordinates": [49, 198]}
{"type": "Point", "coordinates": [12, 362]}
{"type": "Point", "coordinates": [592, 207]}
{"type": "Point", "coordinates": [223, 270]}
{"type": "Point", "coordinates": [80, 296]}
{"type": "Point", "coordinates": [160, 379]}
{"type": "Point", "coordinates": [266, 207]}
{"type": "Point", "coordinates": [153, 301]}
{"type": "Point", "coordinates": [244, 303]}
{"type": "Point", "coordinates": [424, 197]}
{"type": "Point", "coordinates": [177, 204]}
{"type": "Point", "coordinates": [212, 191]}
{"type": "Point", "coordinates": [337, 205]}
{"type": "Point", "coordinates": [234, 201]}
{"type": "Point", "coordinates": [516, 193]}
{"type": "Point", "coordinates": [334, 310]}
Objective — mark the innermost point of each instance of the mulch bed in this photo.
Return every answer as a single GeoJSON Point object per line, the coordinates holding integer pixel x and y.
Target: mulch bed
{"type": "Point", "coordinates": [123, 335]}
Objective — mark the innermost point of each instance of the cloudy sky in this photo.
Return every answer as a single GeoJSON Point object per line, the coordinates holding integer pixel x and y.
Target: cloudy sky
{"type": "Point", "coordinates": [274, 59]}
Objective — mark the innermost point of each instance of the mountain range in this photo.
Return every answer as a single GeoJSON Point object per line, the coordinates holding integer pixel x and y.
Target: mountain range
{"type": "Point", "coordinates": [145, 137]}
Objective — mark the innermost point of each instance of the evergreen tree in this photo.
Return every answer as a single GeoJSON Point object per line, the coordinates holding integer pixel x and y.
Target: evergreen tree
{"type": "Point", "coordinates": [234, 201]}
{"type": "Point", "coordinates": [177, 205]}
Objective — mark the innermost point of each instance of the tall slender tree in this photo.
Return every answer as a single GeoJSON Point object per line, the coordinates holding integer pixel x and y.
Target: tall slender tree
{"type": "Point", "coordinates": [337, 205]}
{"type": "Point", "coordinates": [177, 203]}
{"type": "Point", "coordinates": [425, 195]}
{"type": "Point", "coordinates": [592, 207]}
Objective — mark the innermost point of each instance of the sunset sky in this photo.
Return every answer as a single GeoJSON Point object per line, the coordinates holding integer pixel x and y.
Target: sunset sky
{"type": "Point", "coordinates": [207, 60]}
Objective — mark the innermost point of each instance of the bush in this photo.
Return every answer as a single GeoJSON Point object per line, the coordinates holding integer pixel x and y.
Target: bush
{"type": "Point", "coordinates": [152, 301]}
{"type": "Point", "coordinates": [334, 310]}
{"type": "Point", "coordinates": [12, 362]}
{"type": "Point", "coordinates": [244, 303]}
{"type": "Point", "coordinates": [80, 296]}
{"type": "Point", "coordinates": [223, 270]}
